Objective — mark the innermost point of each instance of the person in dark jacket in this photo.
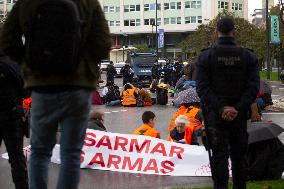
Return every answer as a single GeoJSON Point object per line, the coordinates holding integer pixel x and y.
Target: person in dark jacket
{"type": "Point", "coordinates": [11, 119]}
{"type": "Point", "coordinates": [127, 74]}
{"type": "Point", "coordinates": [58, 99]}
{"type": "Point", "coordinates": [110, 72]}
{"type": "Point", "coordinates": [176, 73]}
{"type": "Point", "coordinates": [227, 84]}
{"type": "Point", "coordinates": [96, 121]}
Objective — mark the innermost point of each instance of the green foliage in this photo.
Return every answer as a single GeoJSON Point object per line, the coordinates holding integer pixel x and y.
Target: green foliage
{"type": "Point", "coordinates": [247, 35]}
{"type": "Point", "coordinates": [274, 184]}
{"type": "Point", "coordinates": [273, 76]}
{"type": "Point", "coordinates": [142, 48]}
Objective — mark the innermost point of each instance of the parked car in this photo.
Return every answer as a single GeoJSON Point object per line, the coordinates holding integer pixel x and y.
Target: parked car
{"type": "Point", "coordinates": [118, 67]}
{"type": "Point", "coordinates": [104, 64]}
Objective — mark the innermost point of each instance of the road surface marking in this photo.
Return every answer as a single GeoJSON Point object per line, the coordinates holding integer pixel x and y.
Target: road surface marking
{"type": "Point", "coordinates": [281, 88]}
{"type": "Point", "coordinates": [275, 95]}
{"type": "Point", "coordinates": [123, 110]}
{"type": "Point", "coordinates": [107, 112]}
{"type": "Point", "coordinates": [274, 113]}
{"type": "Point", "coordinates": [114, 111]}
{"type": "Point", "coordinates": [273, 86]}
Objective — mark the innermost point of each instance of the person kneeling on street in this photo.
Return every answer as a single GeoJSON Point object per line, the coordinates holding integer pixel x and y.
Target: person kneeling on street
{"type": "Point", "coordinates": [96, 121]}
{"type": "Point", "coordinates": [147, 128]}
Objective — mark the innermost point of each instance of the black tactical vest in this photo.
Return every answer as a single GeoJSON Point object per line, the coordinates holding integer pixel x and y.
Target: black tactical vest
{"type": "Point", "coordinates": [228, 73]}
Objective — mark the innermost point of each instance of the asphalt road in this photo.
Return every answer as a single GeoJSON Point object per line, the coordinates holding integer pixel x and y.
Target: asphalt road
{"type": "Point", "coordinates": [126, 120]}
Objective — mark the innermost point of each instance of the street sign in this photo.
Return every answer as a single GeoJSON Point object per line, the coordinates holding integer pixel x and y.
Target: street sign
{"type": "Point", "coordinates": [275, 30]}
{"type": "Point", "coordinates": [161, 38]}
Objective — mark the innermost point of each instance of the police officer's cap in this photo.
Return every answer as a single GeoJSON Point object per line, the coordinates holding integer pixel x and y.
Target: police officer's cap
{"type": "Point", "coordinates": [225, 25]}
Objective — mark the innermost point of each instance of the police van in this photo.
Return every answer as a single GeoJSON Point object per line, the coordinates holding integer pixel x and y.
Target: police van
{"type": "Point", "coordinates": [142, 64]}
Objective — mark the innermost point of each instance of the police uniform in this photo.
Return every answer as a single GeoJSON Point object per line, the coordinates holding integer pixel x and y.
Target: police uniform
{"type": "Point", "coordinates": [227, 75]}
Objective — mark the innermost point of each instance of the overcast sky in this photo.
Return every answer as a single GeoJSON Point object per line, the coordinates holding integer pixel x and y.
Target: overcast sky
{"type": "Point", "coordinates": [254, 4]}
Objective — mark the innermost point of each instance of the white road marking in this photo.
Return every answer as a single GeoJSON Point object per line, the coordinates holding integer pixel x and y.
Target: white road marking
{"type": "Point", "coordinates": [281, 88]}
{"type": "Point", "coordinates": [107, 112]}
{"type": "Point", "coordinates": [123, 110]}
{"type": "Point", "coordinates": [275, 95]}
{"type": "Point", "coordinates": [114, 111]}
{"type": "Point", "coordinates": [273, 86]}
{"type": "Point", "coordinates": [274, 113]}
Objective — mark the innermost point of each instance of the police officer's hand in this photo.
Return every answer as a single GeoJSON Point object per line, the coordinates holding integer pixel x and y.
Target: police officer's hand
{"type": "Point", "coordinates": [229, 113]}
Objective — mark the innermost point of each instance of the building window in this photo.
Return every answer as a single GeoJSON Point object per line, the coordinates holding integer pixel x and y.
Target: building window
{"type": "Point", "coordinates": [193, 4]}
{"type": "Point", "coordinates": [166, 6]}
{"type": "Point", "coordinates": [126, 8]}
{"type": "Point", "coordinates": [117, 9]}
{"type": "Point", "coordinates": [166, 21]}
{"type": "Point", "coordinates": [178, 20]}
{"type": "Point", "coordinates": [178, 5]}
{"type": "Point", "coordinates": [173, 20]}
{"type": "Point", "coordinates": [187, 4]}
{"type": "Point", "coordinates": [105, 8]}
{"type": "Point", "coordinates": [146, 7]}
{"type": "Point", "coordinates": [173, 5]}
{"type": "Point", "coordinates": [9, 1]}
{"type": "Point", "coordinates": [137, 7]}
{"type": "Point", "coordinates": [223, 5]}
{"type": "Point", "coordinates": [111, 9]}
{"type": "Point", "coordinates": [150, 21]}
{"type": "Point", "coordinates": [193, 19]}
{"type": "Point", "coordinates": [111, 23]}
{"type": "Point", "coordinates": [152, 7]}
{"type": "Point", "coordinates": [159, 21]}
{"type": "Point", "coordinates": [240, 7]}
{"type": "Point", "coordinates": [132, 22]}
{"type": "Point", "coordinates": [237, 6]}
{"type": "Point", "coordinates": [117, 23]}
{"type": "Point", "coordinates": [199, 20]}
{"type": "Point", "coordinates": [131, 8]}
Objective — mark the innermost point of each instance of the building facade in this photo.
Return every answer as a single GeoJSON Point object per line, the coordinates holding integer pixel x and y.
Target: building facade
{"type": "Point", "coordinates": [133, 22]}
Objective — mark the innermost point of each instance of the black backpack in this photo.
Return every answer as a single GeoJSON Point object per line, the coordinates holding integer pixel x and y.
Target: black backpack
{"type": "Point", "coordinates": [54, 37]}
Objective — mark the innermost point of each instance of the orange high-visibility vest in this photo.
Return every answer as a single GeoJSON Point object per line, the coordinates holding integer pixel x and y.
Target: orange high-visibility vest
{"type": "Point", "coordinates": [172, 124]}
{"type": "Point", "coordinates": [191, 113]}
{"type": "Point", "coordinates": [187, 135]}
{"type": "Point", "coordinates": [147, 131]}
{"type": "Point", "coordinates": [128, 97]}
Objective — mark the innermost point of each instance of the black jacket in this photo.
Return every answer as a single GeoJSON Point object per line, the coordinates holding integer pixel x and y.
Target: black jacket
{"type": "Point", "coordinates": [207, 92]}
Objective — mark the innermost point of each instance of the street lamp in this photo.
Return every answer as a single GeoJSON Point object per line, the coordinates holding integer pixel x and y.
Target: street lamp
{"type": "Point", "coordinates": [267, 42]}
{"type": "Point", "coordinates": [156, 27]}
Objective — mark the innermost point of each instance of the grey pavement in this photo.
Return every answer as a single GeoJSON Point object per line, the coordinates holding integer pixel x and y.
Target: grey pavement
{"type": "Point", "coordinates": [126, 120]}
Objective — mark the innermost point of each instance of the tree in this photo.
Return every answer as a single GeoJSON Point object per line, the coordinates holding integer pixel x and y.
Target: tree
{"type": "Point", "coordinates": [142, 48]}
{"type": "Point", "coordinates": [247, 35]}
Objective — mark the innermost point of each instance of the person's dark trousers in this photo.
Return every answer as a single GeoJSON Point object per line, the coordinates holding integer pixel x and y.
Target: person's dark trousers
{"type": "Point", "coordinates": [11, 133]}
{"type": "Point", "coordinates": [126, 80]}
{"type": "Point", "coordinates": [111, 79]}
{"type": "Point", "coordinates": [228, 139]}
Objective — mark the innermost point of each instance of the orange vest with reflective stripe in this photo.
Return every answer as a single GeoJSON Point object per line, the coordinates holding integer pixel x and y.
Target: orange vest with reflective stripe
{"type": "Point", "coordinates": [191, 113]}
{"type": "Point", "coordinates": [147, 131]}
{"type": "Point", "coordinates": [128, 97]}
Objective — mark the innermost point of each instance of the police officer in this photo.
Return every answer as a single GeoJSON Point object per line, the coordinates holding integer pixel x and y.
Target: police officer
{"type": "Point", "coordinates": [11, 116]}
{"type": "Point", "coordinates": [110, 72]}
{"type": "Point", "coordinates": [227, 83]}
{"type": "Point", "coordinates": [127, 74]}
{"type": "Point", "coordinates": [155, 70]}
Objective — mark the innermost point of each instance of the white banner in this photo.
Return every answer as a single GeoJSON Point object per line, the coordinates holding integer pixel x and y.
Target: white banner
{"type": "Point", "coordinates": [138, 154]}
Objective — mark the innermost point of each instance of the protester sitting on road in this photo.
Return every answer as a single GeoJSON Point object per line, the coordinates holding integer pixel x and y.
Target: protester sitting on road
{"type": "Point", "coordinates": [96, 121]}
{"type": "Point", "coordinates": [111, 94]}
{"type": "Point", "coordinates": [180, 132]}
{"type": "Point", "coordinates": [129, 95]}
{"type": "Point", "coordinates": [145, 96]}
{"type": "Point", "coordinates": [264, 95]}
{"type": "Point", "coordinates": [189, 73]}
{"type": "Point", "coordinates": [147, 128]}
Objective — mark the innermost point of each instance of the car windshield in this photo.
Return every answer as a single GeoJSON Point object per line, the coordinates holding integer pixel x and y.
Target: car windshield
{"type": "Point", "coordinates": [119, 65]}
{"type": "Point", "coordinates": [144, 61]}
